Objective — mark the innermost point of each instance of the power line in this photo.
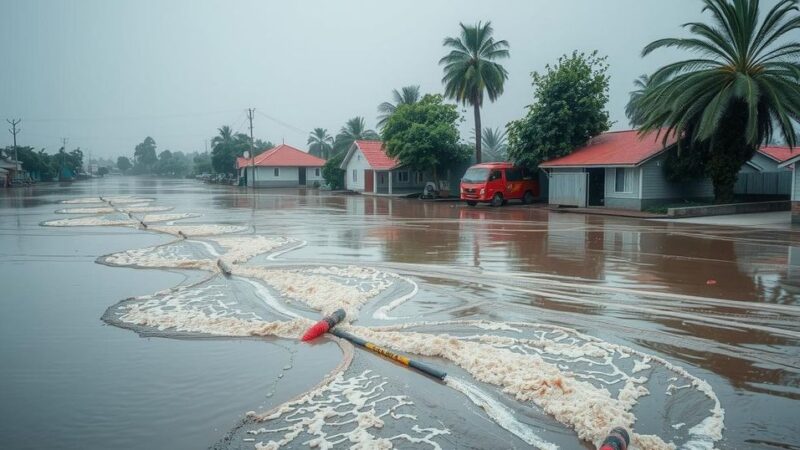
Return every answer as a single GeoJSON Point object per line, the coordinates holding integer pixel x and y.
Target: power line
{"type": "Point", "coordinates": [137, 117]}
{"type": "Point", "coordinates": [284, 124]}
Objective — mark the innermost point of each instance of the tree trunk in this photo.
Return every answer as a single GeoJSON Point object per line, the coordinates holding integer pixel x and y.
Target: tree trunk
{"type": "Point", "coordinates": [729, 152]}
{"type": "Point", "coordinates": [477, 109]}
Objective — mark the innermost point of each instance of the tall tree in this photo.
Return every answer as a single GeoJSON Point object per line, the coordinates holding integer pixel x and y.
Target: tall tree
{"type": "Point", "coordinates": [320, 143]}
{"type": "Point", "coordinates": [225, 147]}
{"type": "Point", "coordinates": [741, 88]}
{"type": "Point", "coordinates": [470, 69]}
{"type": "Point", "coordinates": [568, 110]}
{"type": "Point", "coordinates": [124, 164]}
{"type": "Point", "coordinates": [424, 135]}
{"type": "Point", "coordinates": [354, 130]}
{"type": "Point", "coordinates": [407, 95]}
{"type": "Point", "coordinates": [144, 156]}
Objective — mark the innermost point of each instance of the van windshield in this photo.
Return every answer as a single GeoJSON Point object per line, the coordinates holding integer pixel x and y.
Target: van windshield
{"type": "Point", "coordinates": [476, 175]}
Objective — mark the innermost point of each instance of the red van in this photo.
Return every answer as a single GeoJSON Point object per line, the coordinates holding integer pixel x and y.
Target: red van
{"type": "Point", "coordinates": [498, 182]}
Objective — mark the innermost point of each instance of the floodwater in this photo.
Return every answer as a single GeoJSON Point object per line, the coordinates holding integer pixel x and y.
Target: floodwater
{"type": "Point", "coordinates": [553, 327]}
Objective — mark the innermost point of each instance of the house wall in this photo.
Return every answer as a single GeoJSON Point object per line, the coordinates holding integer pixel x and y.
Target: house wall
{"type": "Point", "coordinates": [764, 163]}
{"type": "Point", "coordinates": [265, 177]}
{"type": "Point", "coordinates": [410, 187]}
{"type": "Point", "coordinates": [313, 174]}
{"type": "Point", "coordinates": [358, 163]}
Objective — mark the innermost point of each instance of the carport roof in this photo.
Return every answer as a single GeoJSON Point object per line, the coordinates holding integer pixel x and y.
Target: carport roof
{"type": "Point", "coordinates": [615, 148]}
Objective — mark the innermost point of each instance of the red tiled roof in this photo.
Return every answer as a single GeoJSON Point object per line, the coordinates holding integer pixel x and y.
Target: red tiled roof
{"type": "Point", "coordinates": [376, 155]}
{"type": "Point", "coordinates": [779, 154]}
{"type": "Point", "coordinates": [616, 148]}
{"type": "Point", "coordinates": [282, 156]}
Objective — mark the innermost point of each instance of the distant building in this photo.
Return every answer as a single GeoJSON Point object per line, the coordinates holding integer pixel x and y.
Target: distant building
{"type": "Point", "coordinates": [622, 170]}
{"type": "Point", "coordinates": [10, 171]}
{"type": "Point", "coordinates": [369, 170]}
{"type": "Point", "coordinates": [281, 166]}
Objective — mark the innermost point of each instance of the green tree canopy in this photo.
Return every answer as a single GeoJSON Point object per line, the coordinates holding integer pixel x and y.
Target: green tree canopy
{"type": "Point", "coordinates": [424, 135]}
{"type": "Point", "coordinates": [742, 86]}
{"type": "Point", "coordinates": [568, 110]}
{"type": "Point", "coordinates": [333, 175]}
{"type": "Point", "coordinates": [124, 164]}
{"type": "Point", "coordinates": [38, 164]}
{"type": "Point", "coordinates": [144, 156]}
{"type": "Point", "coordinates": [470, 69]}
{"type": "Point", "coordinates": [226, 146]}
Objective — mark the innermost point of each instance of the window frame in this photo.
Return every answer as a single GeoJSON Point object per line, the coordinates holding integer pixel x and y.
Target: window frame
{"type": "Point", "coordinates": [276, 171]}
{"type": "Point", "coordinates": [355, 175]}
{"type": "Point", "coordinates": [626, 174]}
{"type": "Point", "coordinates": [403, 174]}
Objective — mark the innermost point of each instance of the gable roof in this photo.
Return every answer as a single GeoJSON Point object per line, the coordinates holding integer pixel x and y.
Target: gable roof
{"type": "Point", "coordinates": [615, 148]}
{"type": "Point", "coordinates": [778, 154]}
{"type": "Point", "coordinates": [282, 156]}
{"type": "Point", "coordinates": [374, 153]}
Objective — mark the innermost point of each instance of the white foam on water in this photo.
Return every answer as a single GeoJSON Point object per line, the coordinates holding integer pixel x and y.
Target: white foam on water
{"type": "Point", "coordinates": [382, 313]}
{"type": "Point", "coordinates": [90, 222]}
{"type": "Point", "coordinates": [94, 210]}
{"type": "Point", "coordinates": [270, 300]}
{"type": "Point", "coordinates": [151, 218]}
{"type": "Point", "coordinates": [239, 249]}
{"type": "Point", "coordinates": [324, 289]}
{"type": "Point", "coordinates": [357, 404]}
{"type": "Point", "coordinates": [198, 230]}
{"type": "Point", "coordinates": [143, 208]}
{"type": "Point", "coordinates": [83, 200]}
{"type": "Point", "coordinates": [499, 413]}
{"type": "Point", "coordinates": [163, 256]}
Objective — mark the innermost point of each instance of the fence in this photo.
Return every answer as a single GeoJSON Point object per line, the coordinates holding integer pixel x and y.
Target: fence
{"type": "Point", "coordinates": [764, 183]}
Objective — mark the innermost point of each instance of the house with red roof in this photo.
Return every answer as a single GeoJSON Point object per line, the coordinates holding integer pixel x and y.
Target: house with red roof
{"type": "Point", "coordinates": [623, 170]}
{"type": "Point", "coordinates": [369, 170]}
{"type": "Point", "coordinates": [281, 166]}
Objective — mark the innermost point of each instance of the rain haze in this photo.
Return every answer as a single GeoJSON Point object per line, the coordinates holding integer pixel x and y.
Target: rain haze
{"type": "Point", "coordinates": [107, 74]}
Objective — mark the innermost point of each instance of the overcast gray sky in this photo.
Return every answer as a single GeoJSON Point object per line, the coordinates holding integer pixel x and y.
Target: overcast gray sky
{"type": "Point", "coordinates": [106, 74]}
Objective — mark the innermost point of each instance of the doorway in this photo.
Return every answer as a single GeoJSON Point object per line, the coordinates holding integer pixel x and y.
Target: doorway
{"type": "Point", "coordinates": [302, 172]}
{"type": "Point", "coordinates": [597, 186]}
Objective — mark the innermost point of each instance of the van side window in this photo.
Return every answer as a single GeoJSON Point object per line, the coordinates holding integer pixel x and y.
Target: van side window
{"type": "Point", "coordinates": [495, 175]}
{"type": "Point", "coordinates": [526, 174]}
{"type": "Point", "coordinates": [513, 174]}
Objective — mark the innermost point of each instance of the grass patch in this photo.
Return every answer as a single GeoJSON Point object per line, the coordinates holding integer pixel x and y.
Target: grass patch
{"type": "Point", "coordinates": [662, 209]}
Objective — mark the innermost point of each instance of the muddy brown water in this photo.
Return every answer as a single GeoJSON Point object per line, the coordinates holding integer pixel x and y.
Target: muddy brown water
{"type": "Point", "coordinates": [722, 302]}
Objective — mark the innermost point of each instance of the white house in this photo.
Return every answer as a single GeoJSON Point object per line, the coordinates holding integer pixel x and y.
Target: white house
{"type": "Point", "coordinates": [281, 166]}
{"type": "Point", "coordinates": [369, 170]}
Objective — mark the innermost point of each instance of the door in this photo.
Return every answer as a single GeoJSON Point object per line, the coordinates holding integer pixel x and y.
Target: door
{"type": "Point", "coordinates": [301, 171]}
{"type": "Point", "coordinates": [597, 186]}
{"type": "Point", "coordinates": [568, 189]}
{"type": "Point", "coordinates": [369, 181]}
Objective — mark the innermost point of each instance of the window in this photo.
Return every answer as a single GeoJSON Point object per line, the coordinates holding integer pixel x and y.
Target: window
{"type": "Point", "coordinates": [620, 180]}
{"type": "Point", "coordinates": [402, 177]}
{"type": "Point", "coordinates": [495, 175]}
{"type": "Point", "coordinates": [355, 175]}
{"type": "Point", "coordinates": [277, 172]}
{"type": "Point", "coordinates": [513, 175]}
{"type": "Point", "coordinates": [381, 178]}
{"type": "Point", "coordinates": [316, 172]}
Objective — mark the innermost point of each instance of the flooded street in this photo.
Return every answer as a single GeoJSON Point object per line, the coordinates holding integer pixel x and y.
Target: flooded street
{"type": "Point", "coordinates": [553, 327]}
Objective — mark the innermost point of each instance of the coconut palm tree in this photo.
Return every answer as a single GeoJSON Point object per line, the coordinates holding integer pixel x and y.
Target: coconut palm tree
{"type": "Point", "coordinates": [741, 88]}
{"type": "Point", "coordinates": [470, 70]}
{"type": "Point", "coordinates": [406, 96]}
{"type": "Point", "coordinates": [320, 143]}
{"type": "Point", "coordinates": [494, 142]}
{"type": "Point", "coordinates": [355, 129]}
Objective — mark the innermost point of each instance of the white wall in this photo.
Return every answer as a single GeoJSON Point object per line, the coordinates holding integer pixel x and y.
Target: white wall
{"type": "Point", "coordinates": [284, 174]}
{"type": "Point", "coordinates": [311, 175]}
{"type": "Point", "coordinates": [358, 163]}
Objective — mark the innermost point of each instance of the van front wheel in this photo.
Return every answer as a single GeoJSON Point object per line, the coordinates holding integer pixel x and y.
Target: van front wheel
{"type": "Point", "coordinates": [497, 200]}
{"type": "Point", "coordinates": [527, 198]}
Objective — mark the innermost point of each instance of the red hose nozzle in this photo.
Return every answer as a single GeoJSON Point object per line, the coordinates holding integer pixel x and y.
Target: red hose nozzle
{"type": "Point", "coordinates": [324, 325]}
{"type": "Point", "coordinates": [617, 439]}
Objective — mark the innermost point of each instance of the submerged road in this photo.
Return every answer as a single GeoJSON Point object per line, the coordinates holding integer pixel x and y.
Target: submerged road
{"type": "Point", "coordinates": [599, 303]}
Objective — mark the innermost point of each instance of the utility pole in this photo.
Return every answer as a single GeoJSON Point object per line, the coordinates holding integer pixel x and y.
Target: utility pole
{"type": "Point", "coordinates": [14, 131]}
{"type": "Point", "coordinates": [250, 112]}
